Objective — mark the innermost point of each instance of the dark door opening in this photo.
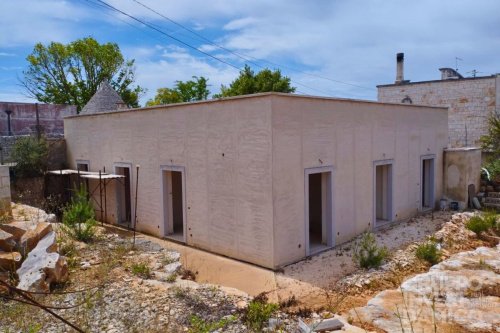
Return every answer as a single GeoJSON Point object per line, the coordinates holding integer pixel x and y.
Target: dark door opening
{"type": "Point", "coordinates": [427, 183]}
{"type": "Point", "coordinates": [383, 192]}
{"type": "Point", "coordinates": [83, 166]}
{"type": "Point", "coordinates": [319, 214]}
{"type": "Point", "coordinates": [123, 193]}
{"type": "Point", "coordinates": [173, 204]}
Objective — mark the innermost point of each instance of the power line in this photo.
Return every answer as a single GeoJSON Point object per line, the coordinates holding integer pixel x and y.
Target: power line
{"type": "Point", "coordinates": [242, 56]}
{"type": "Point", "coordinates": [168, 35]}
{"type": "Point", "coordinates": [151, 26]}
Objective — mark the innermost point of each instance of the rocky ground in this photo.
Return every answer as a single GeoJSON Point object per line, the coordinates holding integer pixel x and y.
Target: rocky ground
{"type": "Point", "coordinates": [115, 286]}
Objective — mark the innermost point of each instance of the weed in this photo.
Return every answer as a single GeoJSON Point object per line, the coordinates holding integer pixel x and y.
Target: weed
{"type": "Point", "coordinates": [304, 312]}
{"type": "Point", "coordinates": [141, 269]}
{"type": "Point", "coordinates": [367, 253]}
{"type": "Point", "coordinates": [429, 252]}
{"type": "Point", "coordinates": [171, 278]}
{"type": "Point", "coordinates": [258, 313]}
{"type": "Point", "coordinates": [289, 302]}
{"type": "Point", "coordinates": [198, 325]}
{"type": "Point", "coordinates": [187, 274]}
{"type": "Point", "coordinates": [479, 224]}
{"type": "Point", "coordinates": [78, 217]}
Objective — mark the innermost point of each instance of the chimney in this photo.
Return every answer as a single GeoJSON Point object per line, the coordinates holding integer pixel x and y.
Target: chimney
{"type": "Point", "coordinates": [400, 59]}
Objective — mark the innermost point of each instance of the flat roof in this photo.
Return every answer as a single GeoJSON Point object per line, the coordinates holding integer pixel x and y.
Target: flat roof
{"type": "Point", "coordinates": [258, 95]}
{"type": "Point", "coordinates": [433, 81]}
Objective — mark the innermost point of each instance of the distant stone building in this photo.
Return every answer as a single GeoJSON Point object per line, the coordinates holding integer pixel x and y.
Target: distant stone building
{"type": "Point", "coordinates": [106, 99]}
{"type": "Point", "coordinates": [21, 118]}
{"type": "Point", "coordinates": [470, 100]}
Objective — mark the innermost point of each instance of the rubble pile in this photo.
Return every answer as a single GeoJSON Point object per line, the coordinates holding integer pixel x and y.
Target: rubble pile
{"type": "Point", "coordinates": [31, 238]}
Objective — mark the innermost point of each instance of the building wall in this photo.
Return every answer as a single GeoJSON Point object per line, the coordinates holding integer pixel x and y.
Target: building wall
{"type": "Point", "coordinates": [245, 160]}
{"type": "Point", "coordinates": [471, 102]}
{"type": "Point", "coordinates": [348, 136]}
{"type": "Point", "coordinates": [23, 118]}
{"type": "Point", "coordinates": [462, 167]}
{"type": "Point", "coordinates": [225, 148]}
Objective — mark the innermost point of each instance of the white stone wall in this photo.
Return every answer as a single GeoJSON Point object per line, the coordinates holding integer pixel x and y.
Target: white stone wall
{"type": "Point", "coordinates": [470, 102]}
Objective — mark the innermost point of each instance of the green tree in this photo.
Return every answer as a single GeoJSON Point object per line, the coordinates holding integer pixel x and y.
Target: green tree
{"type": "Point", "coordinates": [30, 156]}
{"type": "Point", "coordinates": [250, 83]}
{"type": "Point", "coordinates": [189, 91]}
{"type": "Point", "coordinates": [491, 144]}
{"type": "Point", "coordinates": [71, 73]}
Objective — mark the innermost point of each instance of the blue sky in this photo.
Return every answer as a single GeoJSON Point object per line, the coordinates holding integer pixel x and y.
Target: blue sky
{"type": "Point", "coordinates": [351, 43]}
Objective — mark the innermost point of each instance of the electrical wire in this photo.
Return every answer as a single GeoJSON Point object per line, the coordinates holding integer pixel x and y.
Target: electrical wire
{"type": "Point", "coordinates": [243, 56]}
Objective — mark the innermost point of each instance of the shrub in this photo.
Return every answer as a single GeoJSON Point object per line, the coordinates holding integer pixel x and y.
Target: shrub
{"type": "Point", "coordinates": [479, 224]}
{"type": "Point", "coordinates": [78, 217]}
{"type": "Point", "coordinates": [30, 156]}
{"type": "Point", "coordinates": [198, 325]}
{"type": "Point", "coordinates": [367, 253]}
{"type": "Point", "coordinates": [258, 313]}
{"type": "Point", "coordinates": [141, 269]}
{"type": "Point", "coordinates": [429, 252]}
{"type": "Point", "coordinates": [493, 168]}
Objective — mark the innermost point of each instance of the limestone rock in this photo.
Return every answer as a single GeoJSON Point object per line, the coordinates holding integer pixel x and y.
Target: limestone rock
{"type": "Point", "coordinates": [9, 261]}
{"type": "Point", "coordinates": [7, 241]}
{"type": "Point", "coordinates": [173, 267]}
{"type": "Point", "coordinates": [31, 238]}
{"type": "Point", "coordinates": [17, 229]}
{"type": "Point", "coordinates": [43, 266]}
{"type": "Point", "coordinates": [460, 291]}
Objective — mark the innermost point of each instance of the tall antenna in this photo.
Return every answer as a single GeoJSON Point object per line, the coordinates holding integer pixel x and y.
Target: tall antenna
{"type": "Point", "coordinates": [457, 59]}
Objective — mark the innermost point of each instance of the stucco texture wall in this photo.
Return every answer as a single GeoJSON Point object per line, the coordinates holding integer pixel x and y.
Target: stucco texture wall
{"type": "Point", "coordinates": [244, 161]}
{"type": "Point", "coordinates": [349, 136]}
{"type": "Point", "coordinates": [462, 168]}
{"type": "Point", "coordinates": [225, 149]}
{"type": "Point", "coordinates": [470, 102]}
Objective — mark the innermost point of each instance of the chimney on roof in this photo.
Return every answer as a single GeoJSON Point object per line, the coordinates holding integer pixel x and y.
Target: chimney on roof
{"type": "Point", "coordinates": [400, 59]}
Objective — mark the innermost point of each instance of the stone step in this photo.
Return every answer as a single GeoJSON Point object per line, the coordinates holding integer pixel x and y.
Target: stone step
{"type": "Point", "coordinates": [492, 205]}
{"type": "Point", "coordinates": [492, 200]}
{"type": "Point", "coordinates": [494, 194]}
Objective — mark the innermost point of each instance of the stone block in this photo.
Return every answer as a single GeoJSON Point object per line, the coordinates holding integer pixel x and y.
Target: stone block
{"type": "Point", "coordinates": [17, 229]}
{"type": "Point", "coordinates": [31, 238]}
{"type": "Point", "coordinates": [9, 261]}
{"type": "Point", "coordinates": [7, 241]}
{"type": "Point", "coordinates": [43, 266]}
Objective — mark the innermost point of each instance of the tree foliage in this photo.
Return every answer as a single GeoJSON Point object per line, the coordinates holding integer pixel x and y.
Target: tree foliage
{"type": "Point", "coordinates": [491, 143]}
{"type": "Point", "coordinates": [71, 73]}
{"type": "Point", "coordinates": [189, 91]}
{"type": "Point", "coordinates": [250, 83]}
{"type": "Point", "coordinates": [30, 157]}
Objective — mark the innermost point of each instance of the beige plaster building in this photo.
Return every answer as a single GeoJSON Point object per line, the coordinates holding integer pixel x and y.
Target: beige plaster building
{"type": "Point", "coordinates": [268, 178]}
{"type": "Point", "coordinates": [470, 100]}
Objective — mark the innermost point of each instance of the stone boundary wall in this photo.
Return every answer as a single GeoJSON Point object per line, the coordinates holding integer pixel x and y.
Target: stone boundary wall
{"type": "Point", "coordinates": [23, 118]}
{"type": "Point", "coordinates": [4, 191]}
{"type": "Point", "coordinates": [470, 102]}
{"type": "Point", "coordinates": [57, 150]}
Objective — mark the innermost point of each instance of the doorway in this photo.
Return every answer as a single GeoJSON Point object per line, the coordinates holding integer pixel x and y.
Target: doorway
{"type": "Point", "coordinates": [319, 210]}
{"type": "Point", "coordinates": [82, 165]}
{"type": "Point", "coordinates": [427, 181]}
{"type": "Point", "coordinates": [383, 192]}
{"type": "Point", "coordinates": [174, 213]}
{"type": "Point", "coordinates": [124, 194]}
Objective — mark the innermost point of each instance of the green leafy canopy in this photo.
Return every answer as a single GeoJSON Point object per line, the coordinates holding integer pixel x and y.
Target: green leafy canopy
{"type": "Point", "coordinates": [188, 91]}
{"type": "Point", "coordinates": [71, 73]}
{"type": "Point", "coordinates": [250, 83]}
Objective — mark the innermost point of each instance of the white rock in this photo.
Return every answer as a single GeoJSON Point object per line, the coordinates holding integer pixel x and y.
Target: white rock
{"type": "Point", "coordinates": [173, 267]}
{"type": "Point", "coordinates": [43, 266]}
